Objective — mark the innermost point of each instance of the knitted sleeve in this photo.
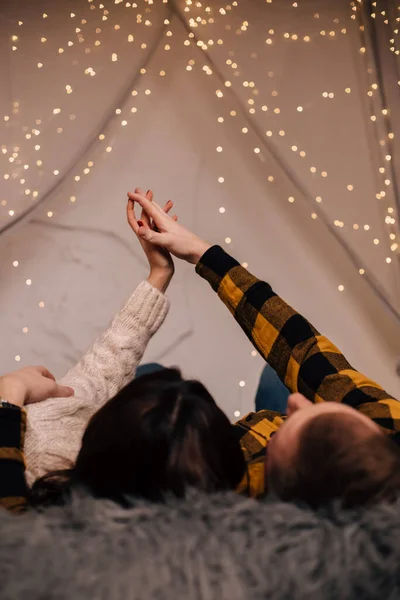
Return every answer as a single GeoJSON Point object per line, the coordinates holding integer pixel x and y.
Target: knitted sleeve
{"type": "Point", "coordinates": [55, 426]}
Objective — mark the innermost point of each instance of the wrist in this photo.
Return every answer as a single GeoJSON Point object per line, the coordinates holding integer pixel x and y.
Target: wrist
{"type": "Point", "coordinates": [12, 390]}
{"type": "Point", "coordinates": [160, 278]}
{"type": "Point", "coordinates": [199, 248]}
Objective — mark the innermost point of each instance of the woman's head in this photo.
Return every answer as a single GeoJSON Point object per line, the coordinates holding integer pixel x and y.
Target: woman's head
{"type": "Point", "coordinates": [160, 434]}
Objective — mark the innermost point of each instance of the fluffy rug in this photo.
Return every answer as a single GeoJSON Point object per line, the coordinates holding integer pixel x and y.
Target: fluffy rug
{"type": "Point", "coordinates": [220, 547]}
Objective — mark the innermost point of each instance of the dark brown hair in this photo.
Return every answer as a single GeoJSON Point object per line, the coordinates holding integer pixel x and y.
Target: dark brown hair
{"type": "Point", "coordinates": [338, 459]}
{"type": "Point", "coordinates": [159, 435]}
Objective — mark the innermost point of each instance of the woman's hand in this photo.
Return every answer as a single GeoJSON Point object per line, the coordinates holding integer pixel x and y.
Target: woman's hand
{"type": "Point", "coordinates": [160, 260]}
{"type": "Point", "coordinates": [31, 384]}
{"type": "Point", "coordinates": [167, 233]}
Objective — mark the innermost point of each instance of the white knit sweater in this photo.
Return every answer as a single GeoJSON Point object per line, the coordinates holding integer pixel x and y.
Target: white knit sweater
{"type": "Point", "coordinates": [55, 426]}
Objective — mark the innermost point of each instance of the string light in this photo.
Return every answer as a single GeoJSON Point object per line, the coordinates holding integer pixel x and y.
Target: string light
{"type": "Point", "coordinates": [251, 88]}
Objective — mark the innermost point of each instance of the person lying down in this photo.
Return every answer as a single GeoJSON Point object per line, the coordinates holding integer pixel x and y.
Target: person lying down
{"type": "Point", "coordinates": [338, 439]}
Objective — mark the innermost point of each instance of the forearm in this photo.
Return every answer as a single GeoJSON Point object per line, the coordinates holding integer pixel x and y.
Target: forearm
{"type": "Point", "coordinates": [13, 488]}
{"type": "Point", "coordinates": [281, 336]}
{"type": "Point", "coordinates": [160, 279]}
{"type": "Point", "coordinates": [56, 426]}
{"type": "Point", "coordinates": [304, 360]}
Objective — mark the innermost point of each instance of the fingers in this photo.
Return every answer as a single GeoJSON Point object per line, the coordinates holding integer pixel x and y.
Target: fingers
{"type": "Point", "coordinates": [45, 372]}
{"type": "Point", "coordinates": [62, 391]}
{"type": "Point", "coordinates": [168, 206]}
{"type": "Point", "coordinates": [149, 195]}
{"type": "Point", "coordinates": [148, 234]}
{"type": "Point", "coordinates": [152, 209]}
{"type": "Point", "coordinates": [130, 214]}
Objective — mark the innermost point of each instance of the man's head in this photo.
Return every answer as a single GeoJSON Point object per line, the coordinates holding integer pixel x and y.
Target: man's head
{"type": "Point", "coordinates": [329, 450]}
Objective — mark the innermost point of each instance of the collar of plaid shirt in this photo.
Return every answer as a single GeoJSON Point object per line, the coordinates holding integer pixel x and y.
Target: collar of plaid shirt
{"type": "Point", "coordinates": [254, 432]}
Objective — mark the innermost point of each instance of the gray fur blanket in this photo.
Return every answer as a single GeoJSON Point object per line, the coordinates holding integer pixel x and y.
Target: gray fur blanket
{"type": "Point", "coordinates": [223, 547]}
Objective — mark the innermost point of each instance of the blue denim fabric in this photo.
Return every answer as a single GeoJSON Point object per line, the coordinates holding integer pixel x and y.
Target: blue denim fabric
{"type": "Point", "coordinates": [271, 394]}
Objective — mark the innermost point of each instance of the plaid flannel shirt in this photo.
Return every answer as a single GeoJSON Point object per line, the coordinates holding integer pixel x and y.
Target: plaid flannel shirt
{"type": "Point", "coordinates": [13, 488]}
{"type": "Point", "coordinates": [306, 361]}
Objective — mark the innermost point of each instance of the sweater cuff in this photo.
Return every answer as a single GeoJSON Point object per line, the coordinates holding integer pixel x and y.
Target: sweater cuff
{"type": "Point", "coordinates": [147, 307]}
{"type": "Point", "coordinates": [214, 265]}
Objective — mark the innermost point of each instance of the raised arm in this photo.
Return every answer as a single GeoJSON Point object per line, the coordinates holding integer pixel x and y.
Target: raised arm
{"type": "Point", "coordinates": [55, 427]}
{"type": "Point", "coordinates": [306, 361]}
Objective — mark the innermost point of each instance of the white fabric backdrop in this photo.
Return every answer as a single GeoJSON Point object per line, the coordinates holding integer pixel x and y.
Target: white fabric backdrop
{"type": "Point", "coordinates": [80, 256]}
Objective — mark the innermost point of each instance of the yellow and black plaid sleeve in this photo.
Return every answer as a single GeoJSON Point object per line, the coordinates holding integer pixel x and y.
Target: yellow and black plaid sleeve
{"type": "Point", "coordinates": [254, 432]}
{"type": "Point", "coordinates": [13, 488]}
{"type": "Point", "coordinates": [305, 361]}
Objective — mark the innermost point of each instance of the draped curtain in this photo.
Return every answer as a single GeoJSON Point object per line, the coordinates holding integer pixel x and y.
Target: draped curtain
{"type": "Point", "coordinates": [273, 125]}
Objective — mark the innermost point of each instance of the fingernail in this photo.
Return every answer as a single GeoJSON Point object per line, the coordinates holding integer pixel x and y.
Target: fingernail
{"type": "Point", "coordinates": [140, 223]}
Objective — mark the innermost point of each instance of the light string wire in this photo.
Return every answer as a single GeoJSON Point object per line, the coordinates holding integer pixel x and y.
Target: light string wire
{"type": "Point", "coordinates": [121, 100]}
{"type": "Point", "coordinates": [370, 279]}
{"type": "Point", "coordinates": [174, 10]}
{"type": "Point", "coordinates": [371, 28]}
{"type": "Point", "coordinates": [369, 38]}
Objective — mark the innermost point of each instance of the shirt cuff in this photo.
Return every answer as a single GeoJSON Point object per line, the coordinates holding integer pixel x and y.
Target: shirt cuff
{"type": "Point", "coordinates": [214, 265]}
{"type": "Point", "coordinates": [12, 432]}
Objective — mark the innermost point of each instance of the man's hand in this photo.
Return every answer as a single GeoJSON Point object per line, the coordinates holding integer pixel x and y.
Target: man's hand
{"type": "Point", "coordinates": [31, 384]}
{"type": "Point", "coordinates": [168, 233]}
